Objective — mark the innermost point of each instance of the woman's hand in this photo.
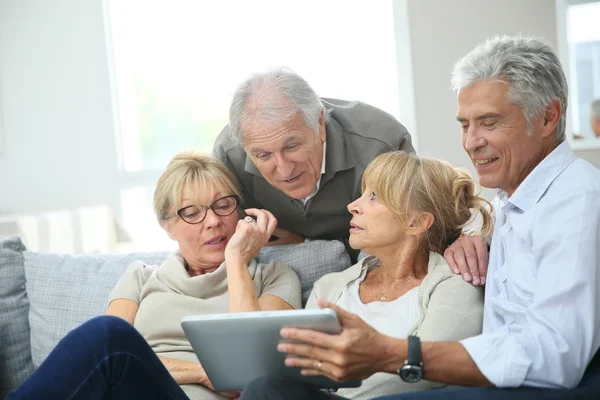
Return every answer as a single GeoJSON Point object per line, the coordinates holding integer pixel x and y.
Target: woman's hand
{"type": "Point", "coordinates": [250, 236]}
{"type": "Point", "coordinates": [204, 381]}
{"type": "Point", "coordinates": [355, 354]}
{"type": "Point", "coordinates": [186, 372]}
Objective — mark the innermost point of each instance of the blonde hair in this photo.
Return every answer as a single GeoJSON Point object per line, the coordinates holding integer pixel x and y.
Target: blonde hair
{"type": "Point", "coordinates": [193, 170]}
{"type": "Point", "coordinates": [405, 182]}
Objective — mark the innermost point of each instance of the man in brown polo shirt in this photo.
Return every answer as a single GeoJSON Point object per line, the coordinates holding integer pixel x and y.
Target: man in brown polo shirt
{"type": "Point", "coordinates": [301, 156]}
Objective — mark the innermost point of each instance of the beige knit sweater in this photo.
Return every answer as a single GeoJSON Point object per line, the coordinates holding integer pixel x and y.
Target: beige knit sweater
{"type": "Point", "coordinates": [451, 309]}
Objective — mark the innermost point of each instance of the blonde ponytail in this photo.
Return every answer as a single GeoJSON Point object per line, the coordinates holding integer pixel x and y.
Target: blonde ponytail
{"type": "Point", "coordinates": [469, 203]}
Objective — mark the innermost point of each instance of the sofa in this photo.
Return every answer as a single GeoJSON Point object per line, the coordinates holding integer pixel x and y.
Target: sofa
{"type": "Point", "coordinates": [45, 295]}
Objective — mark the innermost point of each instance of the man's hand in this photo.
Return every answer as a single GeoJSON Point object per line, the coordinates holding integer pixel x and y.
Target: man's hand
{"type": "Point", "coordinates": [285, 237]}
{"type": "Point", "coordinates": [355, 354]}
{"type": "Point", "coordinates": [468, 256]}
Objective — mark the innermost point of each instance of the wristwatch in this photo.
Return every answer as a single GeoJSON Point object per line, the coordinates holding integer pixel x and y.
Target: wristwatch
{"type": "Point", "coordinates": [412, 370]}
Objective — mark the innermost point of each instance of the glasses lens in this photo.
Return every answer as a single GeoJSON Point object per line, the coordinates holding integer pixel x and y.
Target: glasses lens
{"type": "Point", "coordinates": [224, 206]}
{"type": "Point", "coordinates": [193, 214]}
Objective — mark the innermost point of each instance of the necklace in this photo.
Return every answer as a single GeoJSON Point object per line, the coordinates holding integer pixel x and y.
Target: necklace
{"type": "Point", "coordinates": [383, 297]}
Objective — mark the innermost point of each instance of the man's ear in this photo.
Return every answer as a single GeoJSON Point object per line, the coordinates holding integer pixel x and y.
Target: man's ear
{"type": "Point", "coordinates": [322, 132]}
{"type": "Point", "coordinates": [552, 115]}
{"type": "Point", "coordinates": [596, 126]}
{"type": "Point", "coordinates": [420, 223]}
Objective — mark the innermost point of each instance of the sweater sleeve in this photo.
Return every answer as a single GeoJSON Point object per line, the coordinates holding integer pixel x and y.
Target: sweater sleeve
{"type": "Point", "coordinates": [311, 303]}
{"type": "Point", "coordinates": [131, 283]}
{"type": "Point", "coordinates": [454, 311]}
{"type": "Point", "coordinates": [281, 281]}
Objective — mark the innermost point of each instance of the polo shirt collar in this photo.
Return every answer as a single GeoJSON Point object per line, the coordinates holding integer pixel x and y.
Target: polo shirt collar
{"type": "Point", "coordinates": [533, 187]}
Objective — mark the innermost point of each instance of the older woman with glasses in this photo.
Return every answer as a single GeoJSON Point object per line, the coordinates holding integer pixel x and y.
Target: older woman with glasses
{"type": "Point", "coordinates": [213, 271]}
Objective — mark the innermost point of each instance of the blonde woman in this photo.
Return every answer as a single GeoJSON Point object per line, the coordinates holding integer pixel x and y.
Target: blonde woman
{"type": "Point", "coordinates": [213, 271]}
{"type": "Point", "coordinates": [411, 209]}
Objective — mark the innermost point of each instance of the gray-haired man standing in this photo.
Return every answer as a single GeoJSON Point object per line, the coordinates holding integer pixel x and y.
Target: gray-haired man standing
{"type": "Point", "coordinates": [301, 156]}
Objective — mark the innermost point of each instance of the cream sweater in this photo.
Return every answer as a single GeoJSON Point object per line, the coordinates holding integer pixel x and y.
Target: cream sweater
{"type": "Point", "coordinates": [451, 309]}
{"type": "Point", "coordinates": [166, 293]}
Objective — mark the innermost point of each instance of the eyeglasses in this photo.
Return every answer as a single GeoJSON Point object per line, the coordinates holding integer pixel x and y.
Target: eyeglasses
{"type": "Point", "coordinates": [222, 207]}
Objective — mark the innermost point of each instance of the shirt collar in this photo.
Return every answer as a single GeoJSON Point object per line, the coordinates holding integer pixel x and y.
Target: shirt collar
{"type": "Point", "coordinates": [533, 187]}
{"type": "Point", "coordinates": [324, 158]}
{"type": "Point", "coordinates": [316, 189]}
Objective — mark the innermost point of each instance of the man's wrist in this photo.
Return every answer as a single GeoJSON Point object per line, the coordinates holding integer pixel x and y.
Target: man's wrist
{"type": "Point", "coordinates": [395, 354]}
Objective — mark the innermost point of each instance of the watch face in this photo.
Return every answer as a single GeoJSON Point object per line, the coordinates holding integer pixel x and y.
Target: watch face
{"type": "Point", "coordinates": [411, 373]}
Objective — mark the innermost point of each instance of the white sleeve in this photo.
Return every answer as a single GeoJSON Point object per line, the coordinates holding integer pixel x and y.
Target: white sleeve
{"type": "Point", "coordinates": [560, 335]}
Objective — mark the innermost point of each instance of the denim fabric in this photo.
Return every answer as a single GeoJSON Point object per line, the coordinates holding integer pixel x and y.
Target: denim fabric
{"type": "Point", "coordinates": [105, 358]}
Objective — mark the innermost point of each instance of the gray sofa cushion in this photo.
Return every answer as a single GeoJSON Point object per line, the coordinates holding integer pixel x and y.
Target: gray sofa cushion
{"type": "Point", "coordinates": [66, 290]}
{"type": "Point", "coordinates": [310, 260]}
{"type": "Point", "coordinates": [15, 356]}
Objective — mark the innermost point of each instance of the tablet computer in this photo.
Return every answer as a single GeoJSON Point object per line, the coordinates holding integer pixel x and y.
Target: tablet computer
{"type": "Point", "coordinates": [235, 349]}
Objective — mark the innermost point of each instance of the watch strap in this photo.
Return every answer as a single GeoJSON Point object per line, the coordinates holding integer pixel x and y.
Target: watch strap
{"type": "Point", "coordinates": [414, 351]}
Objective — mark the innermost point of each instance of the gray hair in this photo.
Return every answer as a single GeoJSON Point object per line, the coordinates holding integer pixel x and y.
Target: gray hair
{"type": "Point", "coordinates": [595, 109]}
{"type": "Point", "coordinates": [271, 98]}
{"type": "Point", "coordinates": [529, 66]}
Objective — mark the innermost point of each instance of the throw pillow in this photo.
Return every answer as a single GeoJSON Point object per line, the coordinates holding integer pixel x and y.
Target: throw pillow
{"type": "Point", "coordinates": [15, 355]}
{"type": "Point", "coordinates": [310, 260]}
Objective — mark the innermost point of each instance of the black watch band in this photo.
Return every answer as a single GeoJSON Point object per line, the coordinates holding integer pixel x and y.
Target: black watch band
{"type": "Point", "coordinates": [412, 371]}
{"type": "Point", "coordinates": [414, 351]}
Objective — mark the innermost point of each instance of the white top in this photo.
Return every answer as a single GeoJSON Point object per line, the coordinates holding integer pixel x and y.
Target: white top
{"type": "Point", "coordinates": [449, 309]}
{"type": "Point", "coordinates": [542, 298]}
{"type": "Point", "coordinates": [377, 313]}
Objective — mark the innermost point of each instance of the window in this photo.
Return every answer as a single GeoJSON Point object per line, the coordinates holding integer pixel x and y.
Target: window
{"type": "Point", "coordinates": [1, 129]}
{"type": "Point", "coordinates": [177, 63]}
{"type": "Point", "coordinates": [579, 46]}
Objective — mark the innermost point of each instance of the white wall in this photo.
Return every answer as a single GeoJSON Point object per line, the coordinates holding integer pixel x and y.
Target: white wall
{"type": "Point", "coordinates": [59, 146]}
{"type": "Point", "coordinates": [441, 32]}
{"type": "Point", "coordinates": [55, 94]}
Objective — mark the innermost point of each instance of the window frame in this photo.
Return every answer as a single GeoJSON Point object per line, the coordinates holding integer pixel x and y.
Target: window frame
{"type": "Point", "coordinates": [146, 178]}
{"type": "Point", "coordinates": [565, 56]}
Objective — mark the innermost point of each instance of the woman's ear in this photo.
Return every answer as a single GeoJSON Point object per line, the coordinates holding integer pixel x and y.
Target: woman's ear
{"type": "Point", "coordinates": [420, 223]}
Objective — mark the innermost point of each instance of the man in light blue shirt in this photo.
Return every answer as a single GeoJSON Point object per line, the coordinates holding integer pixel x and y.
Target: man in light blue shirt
{"type": "Point", "coordinates": [542, 304]}
{"type": "Point", "coordinates": [542, 301]}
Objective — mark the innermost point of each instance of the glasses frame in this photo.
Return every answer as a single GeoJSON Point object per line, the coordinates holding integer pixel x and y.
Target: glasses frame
{"type": "Point", "coordinates": [212, 207]}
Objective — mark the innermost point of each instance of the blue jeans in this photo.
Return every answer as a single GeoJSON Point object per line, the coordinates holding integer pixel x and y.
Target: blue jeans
{"type": "Point", "coordinates": [270, 388]}
{"type": "Point", "coordinates": [105, 358]}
